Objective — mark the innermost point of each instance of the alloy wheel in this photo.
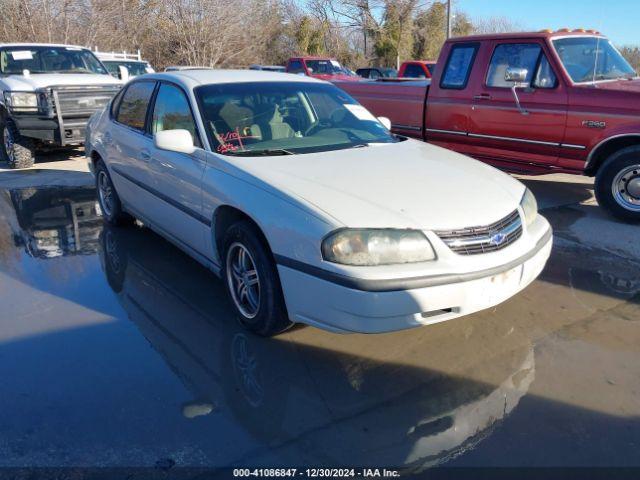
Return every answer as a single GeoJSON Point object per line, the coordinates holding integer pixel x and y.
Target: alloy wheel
{"type": "Point", "coordinates": [105, 193]}
{"type": "Point", "coordinates": [243, 280]}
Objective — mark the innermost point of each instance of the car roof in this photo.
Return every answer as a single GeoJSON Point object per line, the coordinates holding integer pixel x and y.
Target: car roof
{"type": "Point", "coordinates": [522, 35]}
{"type": "Point", "coordinates": [312, 57]}
{"type": "Point", "coordinates": [59, 45]}
{"type": "Point", "coordinates": [103, 60]}
{"type": "Point", "coordinates": [194, 78]}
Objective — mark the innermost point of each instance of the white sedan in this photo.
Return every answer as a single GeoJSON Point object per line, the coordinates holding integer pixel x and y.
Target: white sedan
{"type": "Point", "coordinates": [308, 207]}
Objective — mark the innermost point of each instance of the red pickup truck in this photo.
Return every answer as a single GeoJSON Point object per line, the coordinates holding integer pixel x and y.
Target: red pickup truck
{"type": "Point", "coordinates": [323, 68]}
{"type": "Point", "coordinates": [534, 103]}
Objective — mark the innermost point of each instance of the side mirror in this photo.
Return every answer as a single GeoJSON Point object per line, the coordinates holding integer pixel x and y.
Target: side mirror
{"type": "Point", "coordinates": [516, 75]}
{"type": "Point", "coordinates": [123, 73]}
{"type": "Point", "coordinates": [174, 141]}
{"type": "Point", "coordinates": [386, 122]}
{"type": "Point", "coordinates": [518, 78]}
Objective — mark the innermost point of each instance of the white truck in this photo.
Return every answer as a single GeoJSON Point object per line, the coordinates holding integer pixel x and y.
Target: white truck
{"type": "Point", "coordinates": [124, 65]}
{"type": "Point", "coordinates": [48, 93]}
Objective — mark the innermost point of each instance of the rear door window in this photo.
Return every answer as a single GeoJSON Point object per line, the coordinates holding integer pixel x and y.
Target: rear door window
{"type": "Point", "coordinates": [458, 67]}
{"type": "Point", "coordinates": [132, 110]}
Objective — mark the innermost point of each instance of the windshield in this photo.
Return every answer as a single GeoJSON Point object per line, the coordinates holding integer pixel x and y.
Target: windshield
{"type": "Point", "coordinates": [326, 67]}
{"type": "Point", "coordinates": [297, 117]}
{"type": "Point", "coordinates": [39, 59]}
{"type": "Point", "coordinates": [589, 59]}
{"type": "Point", "coordinates": [134, 68]}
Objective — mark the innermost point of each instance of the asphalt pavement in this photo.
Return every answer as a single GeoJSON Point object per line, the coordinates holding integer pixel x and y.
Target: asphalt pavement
{"type": "Point", "coordinates": [116, 349]}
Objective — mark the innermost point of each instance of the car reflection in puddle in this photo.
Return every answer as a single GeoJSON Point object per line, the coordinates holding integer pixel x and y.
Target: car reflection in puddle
{"type": "Point", "coordinates": [57, 221]}
{"type": "Point", "coordinates": [405, 399]}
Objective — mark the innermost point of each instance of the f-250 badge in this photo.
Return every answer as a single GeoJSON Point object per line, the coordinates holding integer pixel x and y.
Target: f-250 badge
{"type": "Point", "coordinates": [594, 124]}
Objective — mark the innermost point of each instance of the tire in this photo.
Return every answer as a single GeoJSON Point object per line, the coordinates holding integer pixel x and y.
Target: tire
{"type": "Point", "coordinates": [257, 298]}
{"type": "Point", "coordinates": [108, 198]}
{"type": "Point", "coordinates": [113, 258]}
{"type": "Point", "coordinates": [18, 151]}
{"type": "Point", "coordinates": [617, 184]}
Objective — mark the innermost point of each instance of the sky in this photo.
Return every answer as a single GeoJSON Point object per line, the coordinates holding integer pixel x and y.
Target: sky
{"type": "Point", "coordinates": [617, 19]}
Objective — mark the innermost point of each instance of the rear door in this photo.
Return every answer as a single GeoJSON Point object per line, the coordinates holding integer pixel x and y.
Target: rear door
{"type": "Point", "coordinates": [504, 134]}
{"type": "Point", "coordinates": [128, 147]}
{"type": "Point", "coordinates": [178, 176]}
{"type": "Point", "coordinates": [450, 96]}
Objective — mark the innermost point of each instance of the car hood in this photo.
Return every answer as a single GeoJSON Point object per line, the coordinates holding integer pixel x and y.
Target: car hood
{"type": "Point", "coordinates": [409, 184]}
{"type": "Point", "coordinates": [43, 80]}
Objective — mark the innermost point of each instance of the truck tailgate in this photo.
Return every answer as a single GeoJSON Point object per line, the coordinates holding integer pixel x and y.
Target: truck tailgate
{"type": "Point", "coordinates": [403, 102]}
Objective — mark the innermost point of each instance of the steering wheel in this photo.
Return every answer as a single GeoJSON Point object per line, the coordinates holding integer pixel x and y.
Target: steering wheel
{"type": "Point", "coordinates": [315, 126]}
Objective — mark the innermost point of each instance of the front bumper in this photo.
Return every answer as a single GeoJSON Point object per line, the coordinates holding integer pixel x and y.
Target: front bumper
{"type": "Point", "coordinates": [335, 307]}
{"type": "Point", "coordinates": [71, 132]}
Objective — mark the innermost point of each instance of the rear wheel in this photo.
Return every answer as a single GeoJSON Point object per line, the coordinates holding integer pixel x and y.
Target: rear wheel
{"type": "Point", "coordinates": [252, 281]}
{"type": "Point", "coordinates": [108, 198]}
{"type": "Point", "coordinates": [618, 184]}
{"type": "Point", "coordinates": [18, 151]}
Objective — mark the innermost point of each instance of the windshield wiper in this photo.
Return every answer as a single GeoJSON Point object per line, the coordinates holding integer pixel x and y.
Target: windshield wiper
{"type": "Point", "coordinates": [258, 153]}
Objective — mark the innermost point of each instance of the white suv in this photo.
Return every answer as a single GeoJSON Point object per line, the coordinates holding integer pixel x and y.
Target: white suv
{"type": "Point", "coordinates": [48, 93]}
{"type": "Point", "coordinates": [308, 206]}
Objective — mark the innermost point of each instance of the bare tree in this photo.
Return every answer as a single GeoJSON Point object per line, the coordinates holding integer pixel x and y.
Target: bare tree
{"type": "Point", "coordinates": [495, 25]}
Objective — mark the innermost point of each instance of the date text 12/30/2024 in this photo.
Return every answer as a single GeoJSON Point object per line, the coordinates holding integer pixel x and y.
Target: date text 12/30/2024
{"type": "Point", "coordinates": [316, 472]}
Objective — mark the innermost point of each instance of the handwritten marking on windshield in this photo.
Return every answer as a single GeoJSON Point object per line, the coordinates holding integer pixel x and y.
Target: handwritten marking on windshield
{"type": "Point", "coordinates": [232, 141]}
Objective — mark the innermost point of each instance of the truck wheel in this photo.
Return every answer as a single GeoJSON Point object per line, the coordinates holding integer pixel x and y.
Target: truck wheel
{"type": "Point", "coordinates": [108, 198]}
{"type": "Point", "coordinates": [618, 184]}
{"type": "Point", "coordinates": [252, 281]}
{"type": "Point", "coordinates": [18, 151]}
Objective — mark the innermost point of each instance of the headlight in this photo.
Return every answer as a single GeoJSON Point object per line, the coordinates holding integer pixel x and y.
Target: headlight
{"type": "Point", "coordinates": [22, 100]}
{"type": "Point", "coordinates": [377, 247]}
{"type": "Point", "coordinates": [529, 207]}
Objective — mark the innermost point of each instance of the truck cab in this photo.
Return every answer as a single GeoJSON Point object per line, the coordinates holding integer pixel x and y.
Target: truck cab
{"type": "Point", "coordinates": [417, 69]}
{"type": "Point", "coordinates": [48, 94]}
{"type": "Point", "coordinates": [124, 65]}
{"type": "Point", "coordinates": [323, 68]}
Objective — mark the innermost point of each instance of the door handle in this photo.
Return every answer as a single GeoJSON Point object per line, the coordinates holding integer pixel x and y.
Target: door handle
{"type": "Point", "coordinates": [145, 156]}
{"type": "Point", "coordinates": [482, 96]}
{"type": "Point", "coordinates": [107, 138]}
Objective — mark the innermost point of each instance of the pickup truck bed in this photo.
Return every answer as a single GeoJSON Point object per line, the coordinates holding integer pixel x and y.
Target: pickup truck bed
{"type": "Point", "coordinates": [404, 106]}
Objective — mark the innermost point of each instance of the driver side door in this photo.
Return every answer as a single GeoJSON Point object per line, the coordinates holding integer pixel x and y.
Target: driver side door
{"type": "Point", "coordinates": [504, 135]}
{"type": "Point", "coordinates": [178, 176]}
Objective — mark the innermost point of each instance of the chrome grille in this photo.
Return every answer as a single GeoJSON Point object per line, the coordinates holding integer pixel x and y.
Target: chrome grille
{"type": "Point", "coordinates": [484, 239]}
{"type": "Point", "coordinates": [82, 101]}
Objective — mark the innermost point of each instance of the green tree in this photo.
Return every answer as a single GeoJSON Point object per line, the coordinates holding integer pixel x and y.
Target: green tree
{"type": "Point", "coordinates": [431, 30]}
{"type": "Point", "coordinates": [309, 37]}
{"type": "Point", "coordinates": [394, 39]}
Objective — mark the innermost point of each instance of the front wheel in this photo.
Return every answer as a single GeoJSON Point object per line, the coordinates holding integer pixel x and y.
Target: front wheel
{"type": "Point", "coordinates": [252, 281]}
{"type": "Point", "coordinates": [18, 151]}
{"type": "Point", "coordinates": [617, 184]}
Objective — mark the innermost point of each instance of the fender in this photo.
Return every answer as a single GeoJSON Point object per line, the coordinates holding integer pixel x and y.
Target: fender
{"type": "Point", "coordinates": [595, 150]}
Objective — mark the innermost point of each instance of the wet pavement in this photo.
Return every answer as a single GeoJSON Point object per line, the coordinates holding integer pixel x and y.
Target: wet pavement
{"type": "Point", "coordinates": [116, 349]}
